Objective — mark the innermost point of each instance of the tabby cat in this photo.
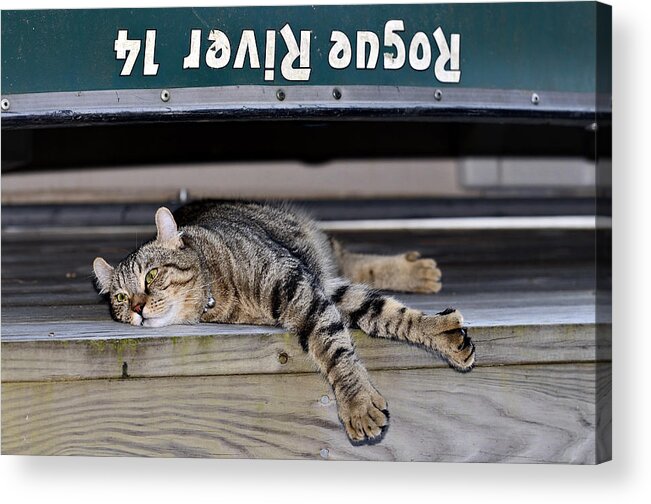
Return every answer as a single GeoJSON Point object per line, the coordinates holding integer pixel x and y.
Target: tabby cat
{"type": "Point", "coordinates": [261, 263]}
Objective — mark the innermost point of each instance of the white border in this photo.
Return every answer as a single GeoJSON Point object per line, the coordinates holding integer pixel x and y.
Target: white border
{"type": "Point", "coordinates": [111, 480]}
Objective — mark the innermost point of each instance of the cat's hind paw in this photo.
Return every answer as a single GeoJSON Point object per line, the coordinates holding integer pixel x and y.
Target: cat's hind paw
{"type": "Point", "coordinates": [420, 274]}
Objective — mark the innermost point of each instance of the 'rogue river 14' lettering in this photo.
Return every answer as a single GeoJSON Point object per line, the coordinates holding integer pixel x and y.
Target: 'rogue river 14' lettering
{"type": "Point", "coordinates": [362, 50]}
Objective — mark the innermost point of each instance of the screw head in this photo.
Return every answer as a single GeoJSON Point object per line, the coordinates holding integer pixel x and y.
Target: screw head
{"type": "Point", "coordinates": [280, 95]}
{"type": "Point", "coordinates": [4, 104]}
{"type": "Point", "coordinates": [165, 95]}
{"type": "Point", "coordinates": [325, 400]}
{"type": "Point", "coordinates": [336, 93]}
{"type": "Point", "coordinates": [438, 94]}
{"type": "Point", "coordinates": [283, 357]}
{"type": "Point", "coordinates": [324, 453]}
{"type": "Point", "coordinates": [535, 99]}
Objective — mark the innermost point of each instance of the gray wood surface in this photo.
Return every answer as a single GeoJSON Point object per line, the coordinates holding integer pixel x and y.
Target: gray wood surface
{"type": "Point", "coordinates": [76, 382]}
{"type": "Point", "coordinates": [181, 351]}
{"type": "Point", "coordinates": [70, 280]}
{"type": "Point", "coordinates": [494, 414]}
{"type": "Point", "coordinates": [480, 310]}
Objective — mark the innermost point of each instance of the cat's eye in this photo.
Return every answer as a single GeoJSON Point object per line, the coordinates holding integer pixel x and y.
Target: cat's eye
{"type": "Point", "coordinates": [121, 297]}
{"type": "Point", "coordinates": [151, 276]}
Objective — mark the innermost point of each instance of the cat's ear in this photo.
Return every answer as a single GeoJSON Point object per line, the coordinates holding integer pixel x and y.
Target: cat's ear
{"type": "Point", "coordinates": [103, 272]}
{"type": "Point", "coordinates": [168, 233]}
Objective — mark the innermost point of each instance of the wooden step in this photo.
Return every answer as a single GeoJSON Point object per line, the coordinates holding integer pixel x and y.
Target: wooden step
{"type": "Point", "coordinates": [76, 382]}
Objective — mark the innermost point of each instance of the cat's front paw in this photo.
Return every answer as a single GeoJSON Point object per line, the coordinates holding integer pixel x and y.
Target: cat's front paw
{"type": "Point", "coordinates": [457, 349]}
{"type": "Point", "coordinates": [445, 334]}
{"type": "Point", "coordinates": [364, 416]}
{"type": "Point", "coordinates": [447, 320]}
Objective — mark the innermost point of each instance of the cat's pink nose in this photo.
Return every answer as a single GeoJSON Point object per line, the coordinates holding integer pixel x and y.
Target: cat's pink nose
{"type": "Point", "coordinates": [138, 308]}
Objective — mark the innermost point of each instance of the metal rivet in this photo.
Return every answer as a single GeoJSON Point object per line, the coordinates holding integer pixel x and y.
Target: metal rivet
{"type": "Point", "coordinates": [336, 93]}
{"type": "Point", "coordinates": [165, 95]}
{"type": "Point", "coordinates": [324, 453]}
{"type": "Point", "coordinates": [535, 98]}
{"type": "Point", "coordinates": [280, 94]}
{"type": "Point", "coordinates": [4, 104]}
{"type": "Point", "coordinates": [283, 357]}
{"type": "Point", "coordinates": [438, 94]}
{"type": "Point", "coordinates": [325, 400]}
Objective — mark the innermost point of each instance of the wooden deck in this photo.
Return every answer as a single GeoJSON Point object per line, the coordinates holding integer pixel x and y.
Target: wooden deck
{"type": "Point", "coordinates": [76, 383]}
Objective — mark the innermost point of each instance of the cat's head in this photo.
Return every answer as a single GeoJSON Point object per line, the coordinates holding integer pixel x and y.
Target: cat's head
{"type": "Point", "coordinates": [159, 284]}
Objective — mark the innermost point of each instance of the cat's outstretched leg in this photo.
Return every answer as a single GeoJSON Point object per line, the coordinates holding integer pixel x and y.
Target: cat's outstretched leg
{"type": "Point", "coordinates": [406, 272]}
{"type": "Point", "coordinates": [302, 306]}
{"type": "Point", "coordinates": [384, 317]}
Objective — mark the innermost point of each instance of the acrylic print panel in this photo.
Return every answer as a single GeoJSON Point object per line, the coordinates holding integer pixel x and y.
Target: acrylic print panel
{"type": "Point", "coordinates": [447, 300]}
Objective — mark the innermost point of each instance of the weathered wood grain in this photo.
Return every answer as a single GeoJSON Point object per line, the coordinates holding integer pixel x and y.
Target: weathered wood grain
{"type": "Point", "coordinates": [33, 284]}
{"type": "Point", "coordinates": [75, 382]}
{"type": "Point", "coordinates": [458, 247]}
{"type": "Point", "coordinates": [125, 216]}
{"type": "Point", "coordinates": [479, 308]}
{"type": "Point", "coordinates": [498, 414]}
{"type": "Point", "coordinates": [253, 350]}
{"type": "Point", "coordinates": [525, 254]}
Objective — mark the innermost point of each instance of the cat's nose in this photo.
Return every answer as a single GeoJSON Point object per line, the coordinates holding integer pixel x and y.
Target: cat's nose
{"type": "Point", "coordinates": [138, 303]}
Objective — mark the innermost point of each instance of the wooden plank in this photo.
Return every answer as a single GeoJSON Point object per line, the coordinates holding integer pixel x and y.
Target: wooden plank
{"type": "Point", "coordinates": [214, 390]}
{"type": "Point", "coordinates": [190, 351]}
{"type": "Point", "coordinates": [114, 214]}
{"type": "Point", "coordinates": [36, 274]}
{"type": "Point", "coordinates": [532, 414]}
{"type": "Point", "coordinates": [480, 309]}
{"type": "Point", "coordinates": [477, 246]}
{"type": "Point", "coordinates": [71, 282]}
{"type": "Point", "coordinates": [54, 313]}
{"type": "Point", "coordinates": [451, 255]}
{"type": "Point", "coordinates": [513, 307]}
{"type": "Point", "coordinates": [30, 293]}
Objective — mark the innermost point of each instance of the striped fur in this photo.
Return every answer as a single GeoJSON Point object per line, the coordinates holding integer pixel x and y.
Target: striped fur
{"type": "Point", "coordinates": [382, 316]}
{"type": "Point", "coordinates": [270, 264]}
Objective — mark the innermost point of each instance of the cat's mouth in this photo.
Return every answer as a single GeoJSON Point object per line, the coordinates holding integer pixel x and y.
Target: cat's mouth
{"type": "Point", "coordinates": [167, 318]}
{"type": "Point", "coordinates": [151, 321]}
{"type": "Point", "coordinates": [160, 318]}
{"type": "Point", "coordinates": [136, 319]}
